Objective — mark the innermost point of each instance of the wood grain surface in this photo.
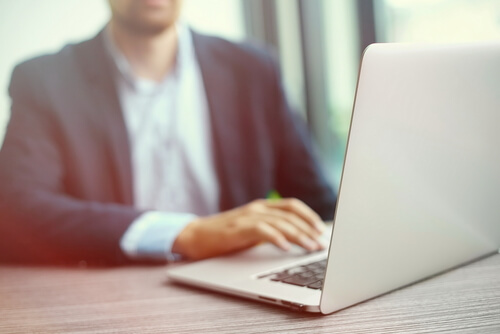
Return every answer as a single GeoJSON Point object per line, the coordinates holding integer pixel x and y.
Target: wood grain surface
{"type": "Point", "coordinates": [141, 300]}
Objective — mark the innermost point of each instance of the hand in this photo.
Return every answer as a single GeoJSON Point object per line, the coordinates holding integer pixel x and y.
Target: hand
{"type": "Point", "coordinates": [277, 221]}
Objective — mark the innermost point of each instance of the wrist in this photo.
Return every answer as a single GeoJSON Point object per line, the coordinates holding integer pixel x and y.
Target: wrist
{"type": "Point", "coordinates": [183, 244]}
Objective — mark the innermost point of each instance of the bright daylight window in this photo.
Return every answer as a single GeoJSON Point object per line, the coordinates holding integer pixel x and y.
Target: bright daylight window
{"type": "Point", "coordinates": [395, 21]}
{"type": "Point", "coordinates": [437, 20]}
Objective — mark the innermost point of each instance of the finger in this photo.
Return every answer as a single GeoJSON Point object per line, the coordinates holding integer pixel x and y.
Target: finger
{"type": "Point", "coordinates": [301, 209]}
{"type": "Point", "coordinates": [294, 235]}
{"type": "Point", "coordinates": [291, 219]}
{"type": "Point", "coordinates": [265, 232]}
{"type": "Point", "coordinates": [263, 208]}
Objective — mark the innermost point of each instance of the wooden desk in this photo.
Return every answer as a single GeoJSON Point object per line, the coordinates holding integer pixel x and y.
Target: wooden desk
{"type": "Point", "coordinates": [140, 300]}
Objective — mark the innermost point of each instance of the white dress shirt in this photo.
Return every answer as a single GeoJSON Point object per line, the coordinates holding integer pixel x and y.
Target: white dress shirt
{"type": "Point", "coordinates": [173, 171]}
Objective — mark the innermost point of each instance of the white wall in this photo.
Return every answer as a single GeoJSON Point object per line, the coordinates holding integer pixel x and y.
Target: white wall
{"type": "Point", "coordinates": [33, 27]}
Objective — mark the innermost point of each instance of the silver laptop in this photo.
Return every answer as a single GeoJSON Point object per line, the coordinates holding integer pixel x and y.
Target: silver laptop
{"type": "Point", "coordinates": [419, 191]}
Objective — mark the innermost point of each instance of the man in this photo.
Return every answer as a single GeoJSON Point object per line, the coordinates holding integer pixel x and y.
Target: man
{"type": "Point", "coordinates": [153, 142]}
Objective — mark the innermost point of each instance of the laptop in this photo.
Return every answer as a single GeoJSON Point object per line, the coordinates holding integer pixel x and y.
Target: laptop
{"type": "Point", "coordinates": [419, 189]}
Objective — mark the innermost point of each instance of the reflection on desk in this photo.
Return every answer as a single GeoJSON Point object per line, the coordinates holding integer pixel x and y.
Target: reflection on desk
{"type": "Point", "coordinates": [141, 300]}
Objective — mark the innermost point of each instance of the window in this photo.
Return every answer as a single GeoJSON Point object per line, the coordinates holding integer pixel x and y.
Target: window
{"type": "Point", "coordinates": [437, 20]}
{"type": "Point", "coordinates": [342, 65]}
{"type": "Point", "coordinates": [217, 17]}
{"type": "Point", "coordinates": [349, 26]}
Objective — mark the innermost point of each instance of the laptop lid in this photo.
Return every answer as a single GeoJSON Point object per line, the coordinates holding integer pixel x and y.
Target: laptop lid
{"type": "Point", "coordinates": [421, 177]}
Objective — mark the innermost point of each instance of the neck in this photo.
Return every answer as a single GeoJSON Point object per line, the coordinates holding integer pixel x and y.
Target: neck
{"type": "Point", "coordinates": [150, 57]}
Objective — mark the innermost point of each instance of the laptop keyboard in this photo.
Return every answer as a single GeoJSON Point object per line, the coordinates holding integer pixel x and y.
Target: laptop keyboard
{"type": "Point", "coordinates": [309, 275]}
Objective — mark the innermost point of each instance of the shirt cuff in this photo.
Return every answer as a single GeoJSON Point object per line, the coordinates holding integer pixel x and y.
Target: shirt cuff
{"type": "Point", "coordinates": [152, 235]}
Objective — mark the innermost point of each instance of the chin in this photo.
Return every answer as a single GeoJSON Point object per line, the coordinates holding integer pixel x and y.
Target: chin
{"type": "Point", "coordinates": [147, 25]}
{"type": "Point", "coordinates": [146, 17]}
{"type": "Point", "coordinates": [153, 28]}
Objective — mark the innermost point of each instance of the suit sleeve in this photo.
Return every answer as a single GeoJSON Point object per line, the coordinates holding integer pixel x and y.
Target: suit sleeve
{"type": "Point", "coordinates": [38, 221]}
{"type": "Point", "coordinates": [298, 173]}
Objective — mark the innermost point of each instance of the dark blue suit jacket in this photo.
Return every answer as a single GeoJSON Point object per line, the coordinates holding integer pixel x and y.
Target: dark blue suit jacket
{"type": "Point", "coordinates": [65, 171]}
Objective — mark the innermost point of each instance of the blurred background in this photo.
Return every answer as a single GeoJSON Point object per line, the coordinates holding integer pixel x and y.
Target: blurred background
{"type": "Point", "coordinates": [318, 43]}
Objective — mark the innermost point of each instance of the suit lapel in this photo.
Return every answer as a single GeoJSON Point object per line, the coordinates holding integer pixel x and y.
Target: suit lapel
{"type": "Point", "coordinates": [98, 68]}
{"type": "Point", "coordinates": [220, 88]}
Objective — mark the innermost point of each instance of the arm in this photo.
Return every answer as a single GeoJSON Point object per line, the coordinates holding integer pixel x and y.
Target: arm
{"type": "Point", "coordinates": [38, 220]}
{"type": "Point", "coordinates": [151, 235]}
{"type": "Point", "coordinates": [279, 222]}
{"type": "Point", "coordinates": [297, 175]}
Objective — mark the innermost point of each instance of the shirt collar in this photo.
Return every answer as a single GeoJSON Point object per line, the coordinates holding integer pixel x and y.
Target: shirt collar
{"type": "Point", "coordinates": [185, 55]}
